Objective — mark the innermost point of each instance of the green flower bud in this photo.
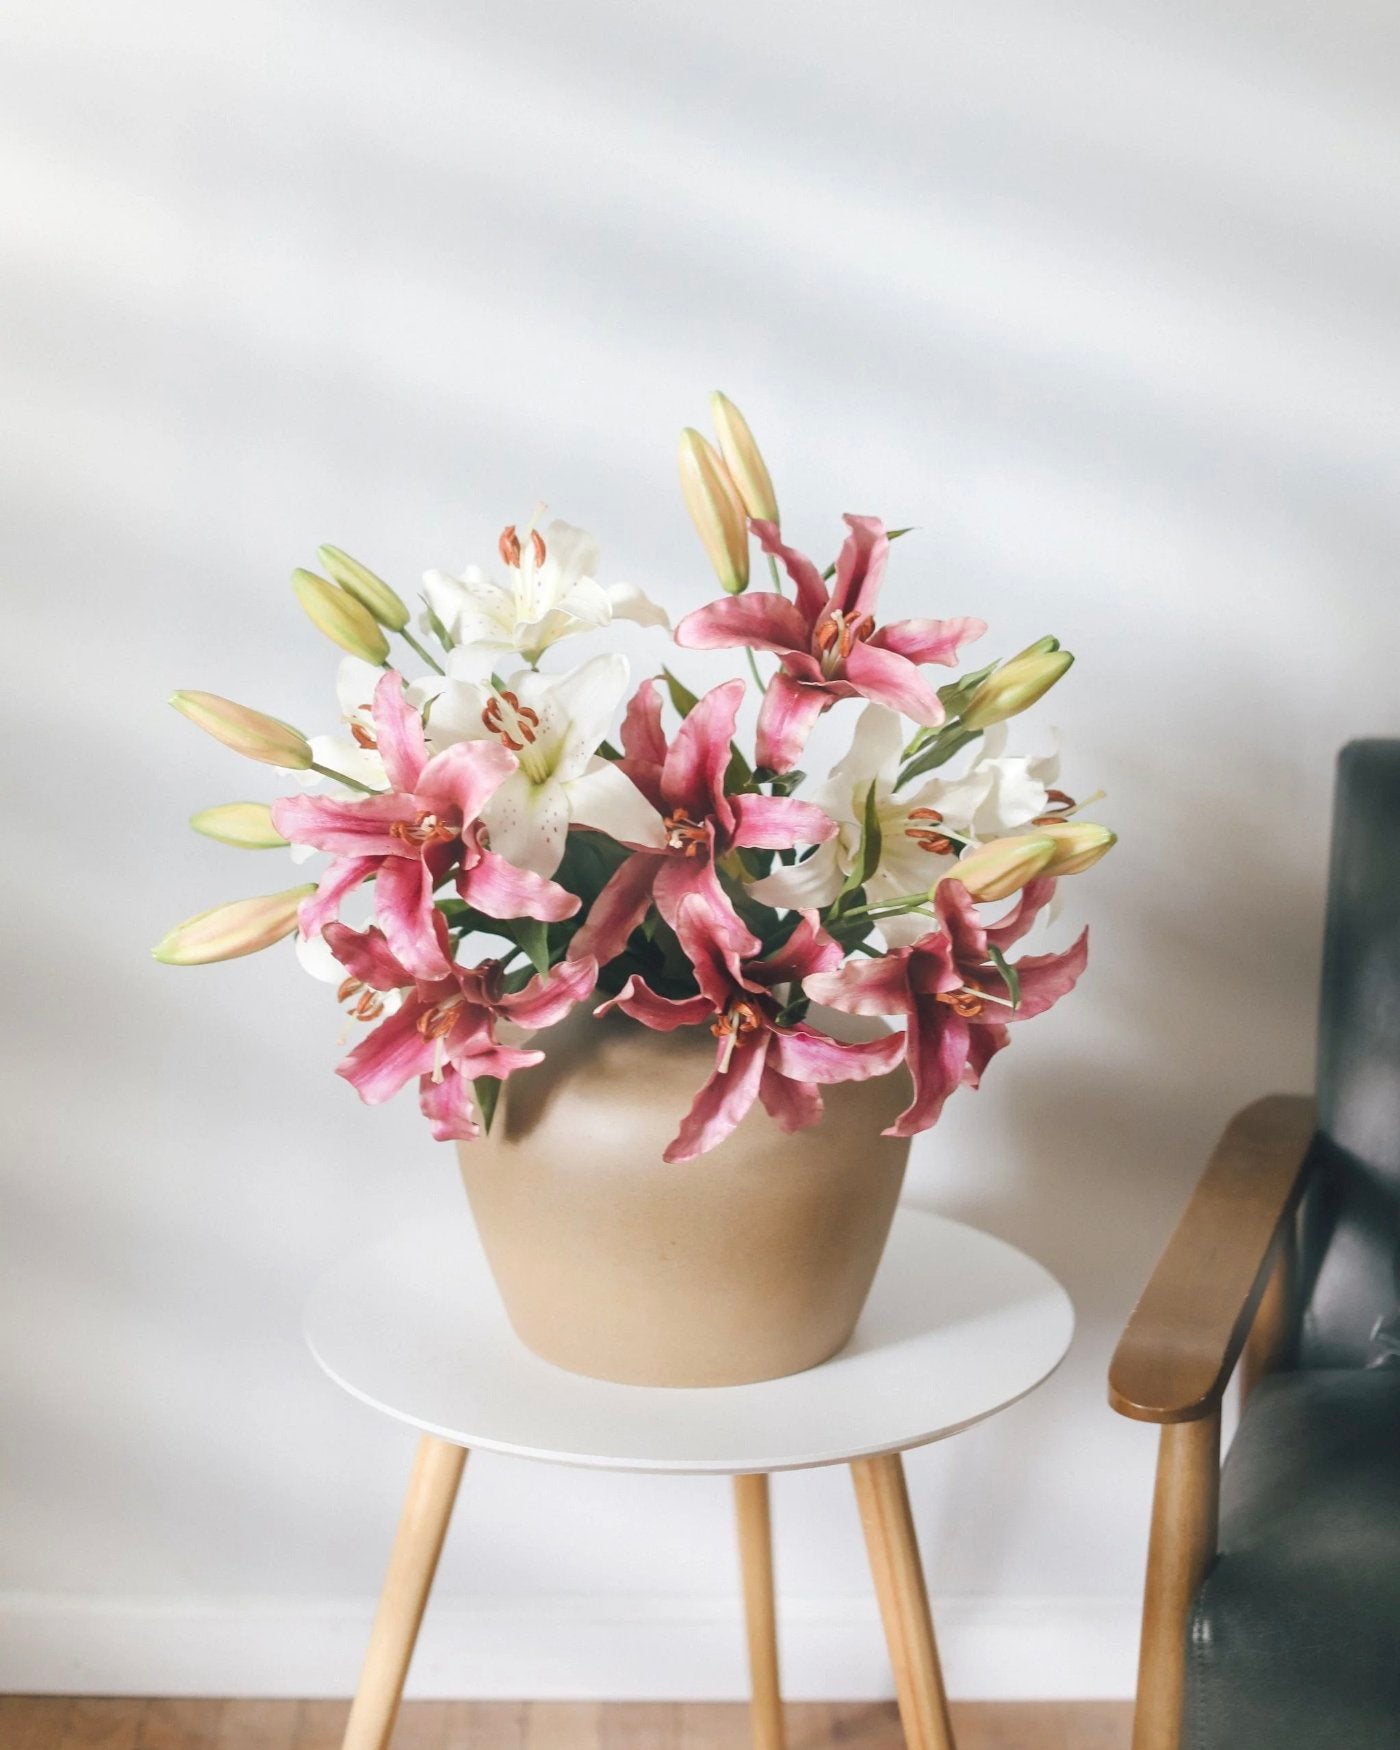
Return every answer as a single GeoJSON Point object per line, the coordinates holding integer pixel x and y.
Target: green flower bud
{"type": "Point", "coordinates": [1002, 867]}
{"type": "Point", "coordinates": [251, 733]}
{"type": "Point", "coordinates": [370, 591]}
{"type": "Point", "coordinates": [743, 459]}
{"type": "Point", "coordinates": [245, 824]}
{"type": "Point", "coordinates": [228, 931]}
{"type": "Point", "coordinates": [716, 509]}
{"type": "Point", "coordinates": [343, 619]}
{"type": "Point", "coordinates": [1015, 686]}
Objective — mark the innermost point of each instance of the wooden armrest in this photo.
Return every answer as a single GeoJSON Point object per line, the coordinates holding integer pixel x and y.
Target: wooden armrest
{"type": "Point", "coordinates": [1175, 1357]}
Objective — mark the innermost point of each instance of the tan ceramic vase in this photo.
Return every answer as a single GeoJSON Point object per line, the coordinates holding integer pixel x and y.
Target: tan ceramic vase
{"type": "Point", "coordinates": [750, 1262]}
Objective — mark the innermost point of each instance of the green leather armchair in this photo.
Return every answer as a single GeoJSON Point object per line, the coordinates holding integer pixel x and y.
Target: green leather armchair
{"type": "Point", "coordinates": [1271, 1617]}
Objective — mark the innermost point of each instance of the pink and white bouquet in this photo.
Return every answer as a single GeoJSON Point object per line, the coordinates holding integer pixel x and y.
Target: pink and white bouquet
{"type": "Point", "coordinates": [533, 837]}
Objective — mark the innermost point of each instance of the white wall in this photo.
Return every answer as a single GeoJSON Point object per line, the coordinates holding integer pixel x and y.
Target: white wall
{"type": "Point", "coordinates": [1101, 296]}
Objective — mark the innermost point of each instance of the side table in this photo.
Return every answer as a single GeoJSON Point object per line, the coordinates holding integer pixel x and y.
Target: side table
{"type": "Point", "coordinates": [958, 1326]}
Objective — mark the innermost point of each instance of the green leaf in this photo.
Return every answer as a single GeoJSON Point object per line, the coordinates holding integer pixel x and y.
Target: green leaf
{"type": "Point", "coordinates": [957, 693]}
{"type": "Point", "coordinates": [608, 751]}
{"type": "Point", "coordinates": [938, 753]}
{"type": "Point", "coordinates": [868, 858]}
{"type": "Point", "coordinates": [681, 696]}
{"type": "Point", "coordinates": [533, 936]}
{"type": "Point", "coordinates": [439, 631]}
{"type": "Point", "coordinates": [487, 1090]}
{"type": "Point", "coordinates": [1009, 973]}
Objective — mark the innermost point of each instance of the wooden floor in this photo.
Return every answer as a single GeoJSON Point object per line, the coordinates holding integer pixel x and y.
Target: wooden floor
{"type": "Point", "coordinates": [57, 1723]}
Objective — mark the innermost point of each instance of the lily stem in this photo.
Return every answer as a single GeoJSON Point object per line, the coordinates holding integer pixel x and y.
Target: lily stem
{"type": "Point", "coordinates": [427, 655]}
{"type": "Point", "coordinates": [343, 778]}
{"type": "Point", "coordinates": [758, 679]}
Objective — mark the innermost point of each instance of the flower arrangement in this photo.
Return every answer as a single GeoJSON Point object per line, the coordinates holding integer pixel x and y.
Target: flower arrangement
{"type": "Point", "coordinates": [673, 874]}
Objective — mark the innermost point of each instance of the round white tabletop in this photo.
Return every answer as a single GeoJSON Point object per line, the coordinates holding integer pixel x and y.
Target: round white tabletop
{"type": "Point", "coordinates": [958, 1326]}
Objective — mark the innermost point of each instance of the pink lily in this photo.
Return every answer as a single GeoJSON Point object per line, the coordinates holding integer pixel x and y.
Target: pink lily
{"type": "Point", "coordinates": [444, 1032]}
{"type": "Point", "coordinates": [684, 782]}
{"type": "Point", "coordinates": [956, 1001]}
{"type": "Point", "coordinates": [757, 1056]}
{"type": "Point", "coordinates": [409, 837]}
{"type": "Point", "coordinates": [828, 642]}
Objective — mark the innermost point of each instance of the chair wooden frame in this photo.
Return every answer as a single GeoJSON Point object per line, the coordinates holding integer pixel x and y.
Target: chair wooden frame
{"type": "Point", "coordinates": [1220, 1294]}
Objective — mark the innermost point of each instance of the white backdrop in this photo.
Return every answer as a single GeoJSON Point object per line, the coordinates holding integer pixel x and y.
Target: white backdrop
{"type": "Point", "coordinates": [1100, 296]}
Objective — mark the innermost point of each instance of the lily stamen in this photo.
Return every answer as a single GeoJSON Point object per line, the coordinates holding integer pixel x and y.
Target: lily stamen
{"type": "Point", "coordinates": [836, 636]}
{"type": "Point", "coordinates": [1063, 806]}
{"type": "Point", "coordinates": [738, 1019]}
{"type": "Point", "coordinates": [682, 834]}
{"type": "Point", "coordinates": [925, 837]}
{"type": "Point", "coordinates": [514, 725]}
{"type": "Point", "coordinates": [965, 1002]}
{"type": "Point", "coordinates": [427, 829]}
{"type": "Point", "coordinates": [509, 545]}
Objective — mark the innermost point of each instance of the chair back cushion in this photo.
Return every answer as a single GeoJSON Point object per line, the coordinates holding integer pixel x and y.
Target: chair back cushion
{"type": "Point", "coordinates": [1351, 1219]}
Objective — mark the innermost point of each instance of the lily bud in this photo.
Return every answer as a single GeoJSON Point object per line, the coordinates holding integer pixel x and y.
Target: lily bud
{"type": "Point", "coordinates": [251, 733]}
{"type": "Point", "coordinates": [370, 591]}
{"type": "Point", "coordinates": [1015, 686]}
{"type": "Point", "coordinates": [743, 459]}
{"type": "Point", "coordinates": [343, 619]}
{"type": "Point", "coordinates": [716, 509]}
{"type": "Point", "coordinates": [1078, 846]}
{"type": "Point", "coordinates": [229, 931]}
{"type": "Point", "coordinates": [245, 824]}
{"type": "Point", "coordinates": [1002, 867]}
{"type": "Point", "coordinates": [1039, 648]}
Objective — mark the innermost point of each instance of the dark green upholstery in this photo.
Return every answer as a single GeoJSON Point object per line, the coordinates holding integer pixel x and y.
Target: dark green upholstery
{"type": "Point", "coordinates": [1294, 1640]}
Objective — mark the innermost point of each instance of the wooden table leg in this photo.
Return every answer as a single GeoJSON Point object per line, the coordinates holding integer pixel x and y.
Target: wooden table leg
{"type": "Point", "coordinates": [760, 1611]}
{"type": "Point", "coordinates": [899, 1584]}
{"type": "Point", "coordinates": [427, 1508]}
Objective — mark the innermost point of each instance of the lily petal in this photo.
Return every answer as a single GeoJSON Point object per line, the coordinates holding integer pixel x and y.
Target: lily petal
{"type": "Point", "coordinates": [860, 566]}
{"type": "Point", "coordinates": [1045, 978]}
{"type": "Point", "coordinates": [791, 1105]}
{"type": "Point", "coordinates": [1031, 901]}
{"type": "Point", "coordinates": [548, 999]}
{"type": "Point", "coordinates": [723, 1101]}
{"type": "Point", "coordinates": [403, 904]}
{"type": "Point", "coordinates": [807, 1055]}
{"type": "Point", "coordinates": [359, 828]}
{"type": "Point", "coordinates": [340, 878]}
{"type": "Point", "coordinates": [661, 1014]}
{"type": "Point", "coordinates": [777, 823]}
{"type": "Point", "coordinates": [937, 1055]}
{"type": "Point", "coordinates": [929, 640]}
{"type": "Point", "coordinates": [785, 719]}
{"type": "Point", "coordinates": [528, 823]}
{"type": "Point", "coordinates": [449, 1106]}
{"type": "Point", "coordinates": [643, 740]}
{"type": "Point", "coordinates": [806, 579]}
{"type": "Point", "coordinates": [865, 987]}
{"type": "Point", "coordinates": [467, 776]}
{"type": "Point", "coordinates": [501, 890]}
{"type": "Point", "coordinates": [692, 778]}
{"type": "Point", "coordinates": [762, 620]}
{"type": "Point", "coordinates": [807, 885]}
{"type": "Point", "coordinates": [607, 800]}
{"type": "Point", "coordinates": [365, 954]}
{"type": "Point", "coordinates": [893, 681]}
{"type": "Point", "coordinates": [807, 950]}
{"type": "Point", "coordinates": [621, 905]}
{"type": "Point", "coordinates": [398, 731]}
{"type": "Point", "coordinates": [388, 1057]}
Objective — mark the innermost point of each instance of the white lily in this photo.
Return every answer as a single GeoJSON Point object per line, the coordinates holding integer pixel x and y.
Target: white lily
{"type": "Point", "coordinates": [550, 591]}
{"type": "Point", "coordinates": [999, 794]}
{"type": "Point", "coordinates": [553, 725]}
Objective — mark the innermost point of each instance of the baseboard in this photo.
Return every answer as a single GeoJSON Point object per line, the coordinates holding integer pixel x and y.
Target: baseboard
{"type": "Point", "coordinates": [618, 1648]}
